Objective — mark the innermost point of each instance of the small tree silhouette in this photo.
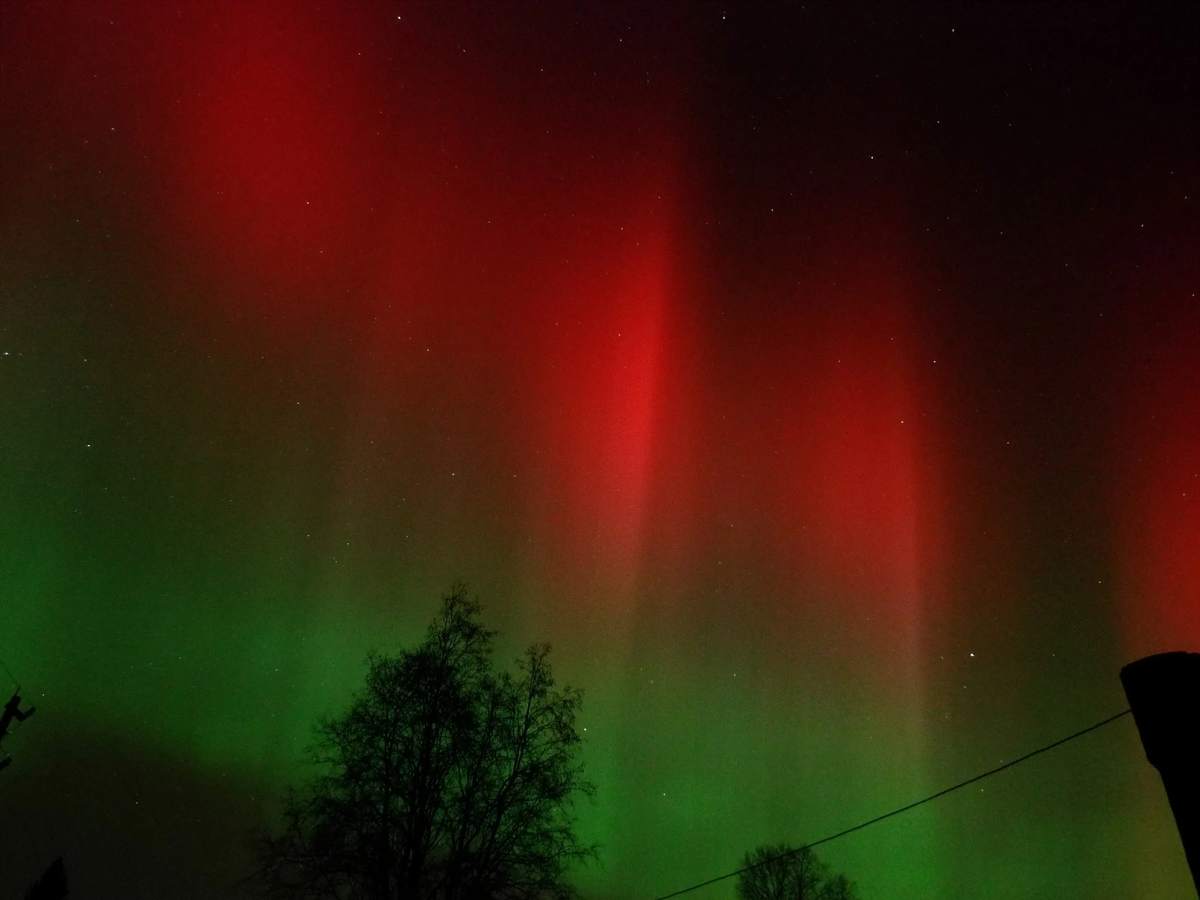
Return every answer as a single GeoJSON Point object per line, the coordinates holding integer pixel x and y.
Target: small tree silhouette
{"type": "Point", "coordinates": [779, 872]}
{"type": "Point", "coordinates": [839, 888]}
{"type": "Point", "coordinates": [445, 779]}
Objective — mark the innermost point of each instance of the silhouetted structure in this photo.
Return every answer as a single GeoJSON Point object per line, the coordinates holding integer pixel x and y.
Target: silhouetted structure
{"type": "Point", "coordinates": [1164, 693]}
{"type": "Point", "coordinates": [51, 886]}
{"type": "Point", "coordinates": [12, 710]}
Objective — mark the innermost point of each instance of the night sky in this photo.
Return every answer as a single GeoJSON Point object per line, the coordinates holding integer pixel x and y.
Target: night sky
{"type": "Point", "coordinates": [821, 381]}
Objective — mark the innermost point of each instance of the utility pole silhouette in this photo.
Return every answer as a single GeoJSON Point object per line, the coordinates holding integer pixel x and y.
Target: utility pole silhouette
{"type": "Point", "coordinates": [1164, 694]}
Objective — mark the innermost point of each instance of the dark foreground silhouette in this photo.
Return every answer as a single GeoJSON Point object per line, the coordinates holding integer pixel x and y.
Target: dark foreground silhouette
{"type": "Point", "coordinates": [12, 710]}
{"type": "Point", "coordinates": [1163, 691]}
{"type": "Point", "coordinates": [445, 779]}
{"type": "Point", "coordinates": [52, 885]}
{"type": "Point", "coordinates": [780, 872]}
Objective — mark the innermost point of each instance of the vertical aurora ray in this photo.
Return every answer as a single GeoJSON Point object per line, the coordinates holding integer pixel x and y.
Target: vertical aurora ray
{"type": "Point", "coordinates": [599, 393]}
{"type": "Point", "coordinates": [1159, 444]}
{"type": "Point", "coordinates": [813, 531]}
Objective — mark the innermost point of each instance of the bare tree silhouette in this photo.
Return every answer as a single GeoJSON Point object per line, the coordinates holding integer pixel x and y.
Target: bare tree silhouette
{"type": "Point", "coordinates": [780, 872]}
{"type": "Point", "coordinates": [445, 779]}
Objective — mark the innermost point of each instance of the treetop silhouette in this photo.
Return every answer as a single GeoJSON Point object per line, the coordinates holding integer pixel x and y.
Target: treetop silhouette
{"type": "Point", "coordinates": [444, 779]}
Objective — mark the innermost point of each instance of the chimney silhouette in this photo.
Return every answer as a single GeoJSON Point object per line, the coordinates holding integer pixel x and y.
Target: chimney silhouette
{"type": "Point", "coordinates": [1164, 694]}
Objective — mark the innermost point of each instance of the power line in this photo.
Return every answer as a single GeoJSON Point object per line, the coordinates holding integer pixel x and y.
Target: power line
{"type": "Point", "coordinates": [10, 674]}
{"type": "Point", "coordinates": [896, 812]}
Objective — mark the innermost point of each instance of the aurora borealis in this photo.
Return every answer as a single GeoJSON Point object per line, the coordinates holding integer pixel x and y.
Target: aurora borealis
{"type": "Point", "coordinates": [821, 381]}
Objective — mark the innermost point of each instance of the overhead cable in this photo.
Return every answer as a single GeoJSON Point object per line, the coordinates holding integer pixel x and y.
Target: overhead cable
{"type": "Point", "coordinates": [895, 812]}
